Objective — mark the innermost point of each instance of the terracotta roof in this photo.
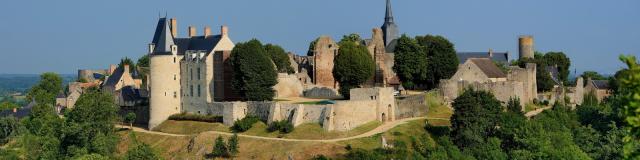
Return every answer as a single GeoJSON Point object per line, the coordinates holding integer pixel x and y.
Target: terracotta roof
{"type": "Point", "coordinates": [488, 67]}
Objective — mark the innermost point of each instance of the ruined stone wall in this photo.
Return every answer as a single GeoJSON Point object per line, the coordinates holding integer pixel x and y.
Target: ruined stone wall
{"type": "Point", "coordinates": [527, 76]}
{"type": "Point", "coordinates": [288, 86]}
{"type": "Point", "coordinates": [411, 106]}
{"type": "Point", "coordinates": [350, 114]}
{"type": "Point", "coordinates": [503, 91]}
{"type": "Point", "coordinates": [325, 51]}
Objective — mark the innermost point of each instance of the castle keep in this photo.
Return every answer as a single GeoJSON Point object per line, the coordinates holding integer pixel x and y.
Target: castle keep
{"type": "Point", "coordinates": [182, 70]}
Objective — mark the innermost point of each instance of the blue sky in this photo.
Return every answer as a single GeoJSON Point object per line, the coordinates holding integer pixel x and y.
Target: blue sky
{"type": "Point", "coordinates": [63, 36]}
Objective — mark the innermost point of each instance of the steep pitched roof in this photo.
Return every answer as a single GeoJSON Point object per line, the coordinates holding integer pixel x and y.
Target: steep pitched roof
{"type": "Point", "coordinates": [114, 78]}
{"type": "Point", "coordinates": [502, 57]}
{"type": "Point", "coordinates": [488, 67]}
{"type": "Point", "coordinates": [555, 75]}
{"type": "Point", "coordinates": [600, 84]}
{"type": "Point", "coordinates": [162, 37]}
{"type": "Point", "coordinates": [201, 43]}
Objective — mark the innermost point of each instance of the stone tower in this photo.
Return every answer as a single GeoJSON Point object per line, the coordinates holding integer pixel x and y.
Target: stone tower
{"type": "Point", "coordinates": [389, 28]}
{"type": "Point", "coordinates": [164, 81]}
{"type": "Point", "coordinates": [525, 43]}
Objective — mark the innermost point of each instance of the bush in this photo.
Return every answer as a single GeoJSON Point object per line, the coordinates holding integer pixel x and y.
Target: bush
{"type": "Point", "coordinates": [283, 126]}
{"type": "Point", "coordinates": [195, 117]}
{"type": "Point", "coordinates": [244, 124]}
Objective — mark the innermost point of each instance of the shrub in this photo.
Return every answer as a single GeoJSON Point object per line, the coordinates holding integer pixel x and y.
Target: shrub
{"type": "Point", "coordinates": [220, 149]}
{"type": "Point", "coordinates": [195, 117]}
{"type": "Point", "coordinates": [283, 126]}
{"type": "Point", "coordinates": [244, 124]}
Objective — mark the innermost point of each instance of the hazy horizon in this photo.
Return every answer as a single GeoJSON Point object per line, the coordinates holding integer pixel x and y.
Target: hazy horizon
{"type": "Point", "coordinates": [64, 36]}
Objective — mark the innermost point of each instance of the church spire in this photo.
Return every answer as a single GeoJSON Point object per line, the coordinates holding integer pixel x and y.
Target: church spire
{"type": "Point", "coordinates": [388, 14]}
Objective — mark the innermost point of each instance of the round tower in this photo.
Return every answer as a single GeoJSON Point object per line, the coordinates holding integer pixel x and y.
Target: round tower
{"type": "Point", "coordinates": [525, 43]}
{"type": "Point", "coordinates": [164, 76]}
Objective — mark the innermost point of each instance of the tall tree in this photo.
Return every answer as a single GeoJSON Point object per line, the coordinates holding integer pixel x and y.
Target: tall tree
{"type": "Point", "coordinates": [312, 47]}
{"type": "Point", "coordinates": [128, 61]}
{"type": "Point", "coordinates": [475, 118]}
{"type": "Point", "coordinates": [631, 93]}
{"type": "Point", "coordinates": [352, 66]}
{"type": "Point", "coordinates": [48, 87]}
{"type": "Point", "coordinates": [253, 72]}
{"type": "Point", "coordinates": [143, 68]}
{"type": "Point", "coordinates": [279, 58]}
{"type": "Point", "coordinates": [562, 61]}
{"type": "Point", "coordinates": [353, 38]}
{"type": "Point", "coordinates": [410, 62]}
{"type": "Point", "coordinates": [442, 58]}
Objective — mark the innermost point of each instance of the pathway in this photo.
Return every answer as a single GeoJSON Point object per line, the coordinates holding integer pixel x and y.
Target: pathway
{"type": "Point", "coordinates": [380, 129]}
{"type": "Point", "coordinates": [535, 112]}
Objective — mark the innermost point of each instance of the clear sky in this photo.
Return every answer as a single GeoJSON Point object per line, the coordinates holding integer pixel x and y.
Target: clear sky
{"type": "Point", "coordinates": [63, 36]}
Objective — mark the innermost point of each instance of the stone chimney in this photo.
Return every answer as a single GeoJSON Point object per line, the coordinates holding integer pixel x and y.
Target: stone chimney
{"type": "Point", "coordinates": [224, 31]}
{"type": "Point", "coordinates": [126, 68]}
{"type": "Point", "coordinates": [112, 67]}
{"type": "Point", "coordinates": [207, 31]}
{"type": "Point", "coordinates": [174, 27]}
{"type": "Point", "coordinates": [192, 31]}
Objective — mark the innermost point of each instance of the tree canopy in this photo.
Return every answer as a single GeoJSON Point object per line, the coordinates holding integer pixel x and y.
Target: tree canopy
{"type": "Point", "coordinates": [128, 61]}
{"type": "Point", "coordinates": [352, 67]}
{"type": "Point", "coordinates": [48, 87]}
{"type": "Point", "coordinates": [279, 58]}
{"type": "Point", "coordinates": [560, 60]}
{"type": "Point", "coordinates": [353, 38]}
{"type": "Point", "coordinates": [254, 74]}
{"type": "Point", "coordinates": [593, 75]}
{"type": "Point", "coordinates": [410, 62]}
{"type": "Point", "coordinates": [442, 59]}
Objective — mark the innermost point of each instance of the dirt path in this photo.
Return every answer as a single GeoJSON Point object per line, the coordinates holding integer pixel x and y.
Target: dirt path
{"type": "Point", "coordinates": [380, 129]}
{"type": "Point", "coordinates": [535, 112]}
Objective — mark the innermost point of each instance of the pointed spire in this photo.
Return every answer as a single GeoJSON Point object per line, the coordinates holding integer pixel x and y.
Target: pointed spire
{"type": "Point", "coordinates": [388, 14]}
{"type": "Point", "coordinates": [162, 39]}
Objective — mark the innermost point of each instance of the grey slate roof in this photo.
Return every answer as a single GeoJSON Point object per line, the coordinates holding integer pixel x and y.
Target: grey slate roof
{"type": "Point", "coordinates": [389, 28]}
{"type": "Point", "coordinates": [502, 57]}
{"type": "Point", "coordinates": [114, 78]}
{"type": "Point", "coordinates": [21, 112]}
{"type": "Point", "coordinates": [488, 67]}
{"type": "Point", "coordinates": [600, 84]}
{"type": "Point", "coordinates": [162, 37]}
{"type": "Point", "coordinates": [197, 43]}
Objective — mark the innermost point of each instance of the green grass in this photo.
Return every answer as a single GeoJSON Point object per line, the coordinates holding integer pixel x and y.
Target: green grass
{"type": "Point", "coordinates": [310, 131]}
{"type": "Point", "coordinates": [437, 108]}
{"type": "Point", "coordinates": [190, 127]}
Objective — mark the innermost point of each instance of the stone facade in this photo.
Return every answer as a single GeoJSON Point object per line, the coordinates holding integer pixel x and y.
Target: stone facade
{"type": "Point", "coordinates": [288, 86]}
{"type": "Point", "coordinates": [325, 51]}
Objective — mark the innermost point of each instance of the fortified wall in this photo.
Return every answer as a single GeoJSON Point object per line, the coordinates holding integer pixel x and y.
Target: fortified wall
{"type": "Point", "coordinates": [366, 105]}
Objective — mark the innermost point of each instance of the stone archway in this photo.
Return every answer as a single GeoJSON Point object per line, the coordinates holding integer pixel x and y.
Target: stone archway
{"type": "Point", "coordinates": [384, 118]}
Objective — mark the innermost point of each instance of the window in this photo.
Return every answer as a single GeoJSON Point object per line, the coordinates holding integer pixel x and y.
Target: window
{"type": "Point", "coordinates": [174, 77]}
{"type": "Point", "coordinates": [175, 94]}
{"type": "Point", "coordinates": [174, 59]}
{"type": "Point", "coordinates": [191, 92]}
{"type": "Point", "coordinates": [198, 73]}
{"type": "Point", "coordinates": [198, 90]}
{"type": "Point", "coordinates": [191, 70]}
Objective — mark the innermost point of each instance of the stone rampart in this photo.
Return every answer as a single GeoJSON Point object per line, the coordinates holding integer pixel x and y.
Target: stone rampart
{"type": "Point", "coordinates": [411, 106]}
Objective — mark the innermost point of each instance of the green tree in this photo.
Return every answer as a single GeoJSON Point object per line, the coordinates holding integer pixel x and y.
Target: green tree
{"type": "Point", "coordinates": [8, 128]}
{"type": "Point", "coordinates": [143, 68]}
{"type": "Point", "coordinates": [543, 78]}
{"type": "Point", "coordinates": [8, 105]}
{"type": "Point", "coordinates": [312, 47]}
{"type": "Point", "coordinates": [220, 148]}
{"type": "Point", "coordinates": [353, 38]}
{"type": "Point", "coordinates": [593, 75]}
{"type": "Point", "coordinates": [514, 105]}
{"type": "Point", "coordinates": [475, 117]}
{"type": "Point", "coordinates": [141, 152]}
{"type": "Point", "coordinates": [253, 72]}
{"type": "Point", "coordinates": [126, 60]}
{"type": "Point", "coordinates": [630, 81]}
{"type": "Point", "coordinates": [130, 118]}
{"type": "Point", "coordinates": [410, 62]}
{"type": "Point", "coordinates": [48, 87]}
{"type": "Point", "coordinates": [279, 57]}
{"type": "Point", "coordinates": [93, 157]}
{"type": "Point", "coordinates": [562, 61]}
{"type": "Point", "coordinates": [352, 66]}
{"type": "Point", "coordinates": [442, 59]}
{"type": "Point", "coordinates": [234, 145]}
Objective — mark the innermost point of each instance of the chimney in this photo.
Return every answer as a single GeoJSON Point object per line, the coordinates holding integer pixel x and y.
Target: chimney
{"type": "Point", "coordinates": [15, 110]}
{"type": "Point", "coordinates": [174, 27]}
{"type": "Point", "coordinates": [192, 31]}
{"type": "Point", "coordinates": [126, 68]}
{"type": "Point", "coordinates": [112, 67]}
{"type": "Point", "coordinates": [207, 31]}
{"type": "Point", "coordinates": [224, 31]}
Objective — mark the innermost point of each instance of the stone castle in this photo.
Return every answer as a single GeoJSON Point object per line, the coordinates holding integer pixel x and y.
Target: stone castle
{"type": "Point", "coordinates": [192, 75]}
